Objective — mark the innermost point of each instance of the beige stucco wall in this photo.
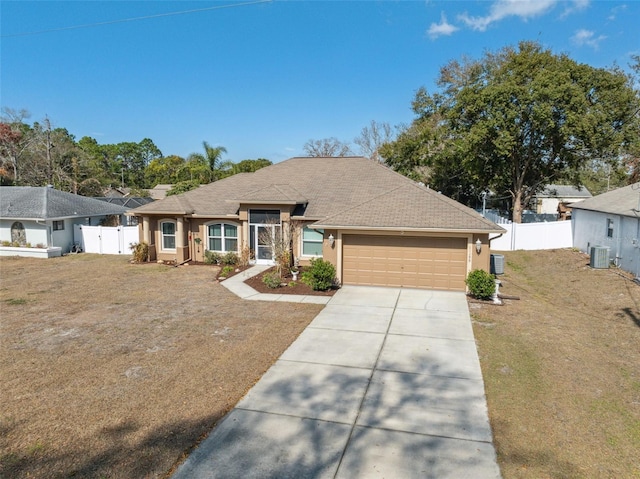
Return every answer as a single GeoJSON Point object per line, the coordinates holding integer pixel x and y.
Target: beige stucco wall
{"type": "Point", "coordinates": [480, 261]}
{"type": "Point", "coordinates": [193, 228]}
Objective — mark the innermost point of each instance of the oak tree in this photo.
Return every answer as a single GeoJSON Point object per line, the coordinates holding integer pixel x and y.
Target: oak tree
{"type": "Point", "coordinates": [517, 120]}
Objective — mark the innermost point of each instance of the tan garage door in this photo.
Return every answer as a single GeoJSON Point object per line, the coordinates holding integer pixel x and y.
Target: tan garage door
{"type": "Point", "coordinates": [411, 261]}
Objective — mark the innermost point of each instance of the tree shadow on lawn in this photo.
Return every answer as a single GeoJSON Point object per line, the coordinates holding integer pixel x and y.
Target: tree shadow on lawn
{"type": "Point", "coordinates": [633, 315]}
{"type": "Point", "coordinates": [538, 462]}
{"type": "Point", "coordinates": [152, 456]}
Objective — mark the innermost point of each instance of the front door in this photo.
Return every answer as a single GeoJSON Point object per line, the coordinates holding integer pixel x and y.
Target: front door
{"type": "Point", "coordinates": [264, 226]}
{"type": "Point", "coordinates": [261, 244]}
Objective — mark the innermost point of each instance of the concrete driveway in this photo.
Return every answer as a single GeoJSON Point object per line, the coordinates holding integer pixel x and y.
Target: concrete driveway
{"type": "Point", "coordinates": [384, 383]}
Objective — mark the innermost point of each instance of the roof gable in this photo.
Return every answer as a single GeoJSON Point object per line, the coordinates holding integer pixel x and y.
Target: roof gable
{"type": "Point", "coordinates": [412, 207]}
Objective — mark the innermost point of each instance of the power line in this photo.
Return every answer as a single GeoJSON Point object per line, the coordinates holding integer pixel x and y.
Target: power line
{"type": "Point", "coordinates": [134, 19]}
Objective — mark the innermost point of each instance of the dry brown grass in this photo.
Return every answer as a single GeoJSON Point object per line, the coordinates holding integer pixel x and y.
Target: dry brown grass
{"type": "Point", "coordinates": [562, 368]}
{"type": "Point", "coordinates": [115, 370]}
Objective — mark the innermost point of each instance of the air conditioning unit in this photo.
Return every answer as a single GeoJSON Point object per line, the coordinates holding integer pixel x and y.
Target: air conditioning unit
{"type": "Point", "coordinates": [496, 264]}
{"type": "Point", "coordinates": [599, 257]}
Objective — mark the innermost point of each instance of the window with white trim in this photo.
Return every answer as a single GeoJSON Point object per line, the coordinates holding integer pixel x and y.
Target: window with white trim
{"type": "Point", "coordinates": [222, 237]}
{"type": "Point", "coordinates": [168, 232]}
{"type": "Point", "coordinates": [312, 242]}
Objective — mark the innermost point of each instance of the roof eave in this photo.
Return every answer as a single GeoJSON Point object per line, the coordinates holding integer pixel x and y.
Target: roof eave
{"type": "Point", "coordinates": [412, 229]}
{"type": "Point", "coordinates": [149, 213]}
{"type": "Point", "coordinates": [268, 202]}
{"type": "Point", "coordinates": [22, 218]}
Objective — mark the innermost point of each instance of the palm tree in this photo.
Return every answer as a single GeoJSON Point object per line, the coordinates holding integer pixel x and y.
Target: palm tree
{"type": "Point", "coordinates": [211, 157]}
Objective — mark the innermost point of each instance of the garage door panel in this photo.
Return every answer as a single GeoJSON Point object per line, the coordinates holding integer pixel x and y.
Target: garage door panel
{"type": "Point", "coordinates": [421, 262]}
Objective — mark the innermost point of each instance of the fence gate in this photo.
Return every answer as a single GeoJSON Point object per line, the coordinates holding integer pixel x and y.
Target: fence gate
{"type": "Point", "coordinates": [105, 239]}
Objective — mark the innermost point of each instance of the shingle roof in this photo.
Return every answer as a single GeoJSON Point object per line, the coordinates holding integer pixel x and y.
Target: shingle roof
{"type": "Point", "coordinates": [623, 201]}
{"type": "Point", "coordinates": [411, 207]}
{"type": "Point", "coordinates": [282, 194]}
{"type": "Point", "coordinates": [564, 191]}
{"type": "Point", "coordinates": [43, 203]}
{"type": "Point", "coordinates": [347, 192]}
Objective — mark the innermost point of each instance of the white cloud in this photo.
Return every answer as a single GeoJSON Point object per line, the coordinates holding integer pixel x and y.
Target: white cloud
{"type": "Point", "coordinates": [615, 11]}
{"type": "Point", "coordinates": [523, 9]}
{"type": "Point", "coordinates": [443, 28]}
{"type": "Point", "coordinates": [575, 6]}
{"type": "Point", "coordinates": [587, 37]}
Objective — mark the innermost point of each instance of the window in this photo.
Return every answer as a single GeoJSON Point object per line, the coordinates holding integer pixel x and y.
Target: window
{"type": "Point", "coordinates": [18, 234]}
{"type": "Point", "coordinates": [609, 228]}
{"type": "Point", "coordinates": [58, 225]}
{"type": "Point", "coordinates": [222, 237]}
{"type": "Point", "coordinates": [168, 231]}
{"type": "Point", "coordinates": [264, 217]}
{"type": "Point", "coordinates": [311, 242]}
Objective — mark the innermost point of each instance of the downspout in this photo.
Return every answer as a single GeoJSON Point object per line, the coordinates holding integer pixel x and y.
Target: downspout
{"type": "Point", "coordinates": [617, 259]}
{"type": "Point", "coordinates": [494, 238]}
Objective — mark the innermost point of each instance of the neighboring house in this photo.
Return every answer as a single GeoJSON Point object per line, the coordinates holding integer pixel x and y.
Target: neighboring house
{"type": "Point", "coordinates": [117, 192]}
{"type": "Point", "coordinates": [611, 219]}
{"type": "Point", "coordinates": [128, 202]}
{"type": "Point", "coordinates": [159, 192]}
{"type": "Point", "coordinates": [376, 226]}
{"type": "Point", "coordinates": [555, 199]}
{"type": "Point", "coordinates": [45, 216]}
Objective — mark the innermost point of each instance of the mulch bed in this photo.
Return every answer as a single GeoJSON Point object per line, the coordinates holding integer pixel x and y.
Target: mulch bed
{"type": "Point", "coordinates": [290, 286]}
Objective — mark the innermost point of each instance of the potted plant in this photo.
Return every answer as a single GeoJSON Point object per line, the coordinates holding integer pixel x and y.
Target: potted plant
{"type": "Point", "coordinates": [294, 273]}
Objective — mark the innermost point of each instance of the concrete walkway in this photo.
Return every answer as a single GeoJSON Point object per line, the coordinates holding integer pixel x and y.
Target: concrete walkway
{"type": "Point", "coordinates": [384, 383]}
{"type": "Point", "coordinates": [236, 285]}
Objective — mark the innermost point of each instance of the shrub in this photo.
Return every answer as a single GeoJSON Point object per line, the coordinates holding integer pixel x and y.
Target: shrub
{"type": "Point", "coordinates": [211, 257]}
{"type": "Point", "coordinates": [272, 280]}
{"type": "Point", "coordinates": [226, 271]}
{"type": "Point", "coordinates": [246, 255]}
{"type": "Point", "coordinates": [283, 261]}
{"type": "Point", "coordinates": [140, 252]}
{"type": "Point", "coordinates": [229, 258]}
{"type": "Point", "coordinates": [481, 284]}
{"type": "Point", "coordinates": [320, 276]}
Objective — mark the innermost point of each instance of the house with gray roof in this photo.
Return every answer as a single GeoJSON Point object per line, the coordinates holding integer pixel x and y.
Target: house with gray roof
{"type": "Point", "coordinates": [45, 217]}
{"type": "Point", "coordinates": [376, 226]}
{"type": "Point", "coordinates": [612, 220]}
{"type": "Point", "coordinates": [548, 200]}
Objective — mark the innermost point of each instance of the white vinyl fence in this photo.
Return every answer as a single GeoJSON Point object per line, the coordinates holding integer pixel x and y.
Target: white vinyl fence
{"type": "Point", "coordinates": [531, 236]}
{"type": "Point", "coordinates": [105, 239]}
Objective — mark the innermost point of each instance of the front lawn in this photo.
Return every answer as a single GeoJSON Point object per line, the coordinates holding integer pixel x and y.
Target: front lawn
{"type": "Point", "coordinates": [116, 370]}
{"type": "Point", "coordinates": [562, 368]}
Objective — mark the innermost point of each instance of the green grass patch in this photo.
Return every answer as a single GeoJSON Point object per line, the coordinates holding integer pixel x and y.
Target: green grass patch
{"type": "Point", "coordinates": [16, 301]}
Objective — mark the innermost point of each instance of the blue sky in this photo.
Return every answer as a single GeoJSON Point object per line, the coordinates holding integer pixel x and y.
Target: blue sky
{"type": "Point", "coordinates": [262, 77]}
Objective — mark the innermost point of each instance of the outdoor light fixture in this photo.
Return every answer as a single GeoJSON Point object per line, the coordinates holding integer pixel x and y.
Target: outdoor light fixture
{"type": "Point", "coordinates": [478, 246]}
{"type": "Point", "coordinates": [332, 240]}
